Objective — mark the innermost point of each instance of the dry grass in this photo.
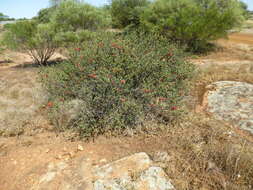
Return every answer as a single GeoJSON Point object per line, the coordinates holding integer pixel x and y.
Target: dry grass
{"type": "Point", "coordinates": [207, 155]}
{"type": "Point", "coordinates": [20, 97]}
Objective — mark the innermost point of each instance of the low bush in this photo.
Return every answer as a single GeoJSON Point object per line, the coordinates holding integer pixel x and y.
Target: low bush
{"type": "Point", "coordinates": [122, 81]}
{"type": "Point", "coordinates": [37, 40]}
{"type": "Point", "coordinates": [192, 22]}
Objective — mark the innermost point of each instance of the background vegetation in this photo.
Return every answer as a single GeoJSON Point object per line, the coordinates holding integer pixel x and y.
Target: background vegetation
{"type": "Point", "coordinates": [5, 17]}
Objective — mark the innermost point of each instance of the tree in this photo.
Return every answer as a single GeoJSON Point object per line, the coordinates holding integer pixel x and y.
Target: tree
{"type": "Point", "coordinates": [4, 17]}
{"type": "Point", "coordinates": [127, 12]}
{"type": "Point", "coordinates": [44, 15]}
{"type": "Point", "coordinates": [192, 22]}
{"type": "Point", "coordinates": [72, 16]}
{"type": "Point", "coordinates": [246, 12]}
{"type": "Point", "coordinates": [54, 3]}
{"type": "Point", "coordinates": [37, 40]}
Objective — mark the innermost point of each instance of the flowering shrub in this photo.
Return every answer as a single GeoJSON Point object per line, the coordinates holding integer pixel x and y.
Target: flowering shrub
{"type": "Point", "coordinates": [124, 80]}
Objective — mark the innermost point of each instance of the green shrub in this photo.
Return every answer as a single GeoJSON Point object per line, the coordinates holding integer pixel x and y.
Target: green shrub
{"type": "Point", "coordinates": [73, 16]}
{"type": "Point", "coordinates": [192, 22]}
{"type": "Point", "coordinates": [122, 82]}
{"type": "Point", "coordinates": [127, 12]}
{"type": "Point", "coordinates": [37, 40]}
{"type": "Point", "coordinates": [44, 15]}
{"type": "Point", "coordinates": [72, 39]}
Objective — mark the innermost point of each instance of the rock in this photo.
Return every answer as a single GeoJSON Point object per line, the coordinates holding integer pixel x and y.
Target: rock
{"type": "Point", "coordinates": [231, 102]}
{"type": "Point", "coordinates": [154, 178]}
{"type": "Point", "coordinates": [123, 167]}
{"type": "Point", "coordinates": [103, 160]}
{"type": "Point", "coordinates": [80, 148]}
{"type": "Point", "coordinates": [47, 177]}
{"type": "Point", "coordinates": [134, 172]}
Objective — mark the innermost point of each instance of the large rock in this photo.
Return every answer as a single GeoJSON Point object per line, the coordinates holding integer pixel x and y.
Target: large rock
{"type": "Point", "coordinates": [231, 102]}
{"type": "Point", "coordinates": [135, 172]}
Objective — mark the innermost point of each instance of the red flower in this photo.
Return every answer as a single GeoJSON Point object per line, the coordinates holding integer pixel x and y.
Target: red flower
{"type": "Point", "coordinates": [94, 76]}
{"type": "Point", "coordinates": [169, 54]}
{"type": "Point", "coordinates": [101, 44]}
{"type": "Point", "coordinates": [173, 108]}
{"type": "Point", "coordinates": [162, 99]}
{"type": "Point", "coordinates": [114, 45]}
{"type": "Point", "coordinates": [122, 99]}
{"type": "Point", "coordinates": [50, 104]}
{"type": "Point", "coordinates": [78, 49]}
{"type": "Point", "coordinates": [147, 91]}
{"type": "Point", "coordinates": [123, 81]}
{"type": "Point", "coordinates": [90, 60]}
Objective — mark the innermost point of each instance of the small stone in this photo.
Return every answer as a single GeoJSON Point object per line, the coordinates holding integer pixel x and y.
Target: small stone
{"type": "Point", "coordinates": [80, 148]}
{"type": "Point", "coordinates": [71, 154]}
{"type": "Point", "coordinates": [59, 157]}
{"type": "Point", "coordinates": [47, 151]}
{"type": "Point", "coordinates": [103, 160]}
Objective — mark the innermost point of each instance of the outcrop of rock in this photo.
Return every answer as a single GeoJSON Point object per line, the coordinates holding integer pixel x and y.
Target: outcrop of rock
{"type": "Point", "coordinates": [231, 102]}
{"type": "Point", "coordinates": [135, 172]}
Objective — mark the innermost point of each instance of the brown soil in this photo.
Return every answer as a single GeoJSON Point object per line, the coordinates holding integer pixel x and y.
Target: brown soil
{"type": "Point", "coordinates": [21, 155]}
{"type": "Point", "coordinates": [237, 48]}
{"type": "Point", "coordinates": [241, 38]}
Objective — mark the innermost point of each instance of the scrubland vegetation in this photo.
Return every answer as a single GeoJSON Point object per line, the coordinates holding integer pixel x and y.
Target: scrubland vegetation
{"type": "Point", "coordinates": [127, 67]}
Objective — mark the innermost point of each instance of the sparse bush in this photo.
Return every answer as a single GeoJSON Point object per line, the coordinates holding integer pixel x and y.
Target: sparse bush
{"type": "Point", "coordinates": [127, 12]}
{"type": "Point", "coordinates": [192, 22]}
{"type": "Point", "coordinates": [37, 40]}
{"type": "Point", "coordinates": [123, 81]}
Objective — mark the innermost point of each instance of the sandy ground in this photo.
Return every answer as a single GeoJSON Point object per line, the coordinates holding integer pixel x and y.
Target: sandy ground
{"type": "Point", "coordinates": [19, 155]}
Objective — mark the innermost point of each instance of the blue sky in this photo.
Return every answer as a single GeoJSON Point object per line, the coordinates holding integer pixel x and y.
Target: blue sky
{"type": "Point", "coordinates": [29, 8]}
